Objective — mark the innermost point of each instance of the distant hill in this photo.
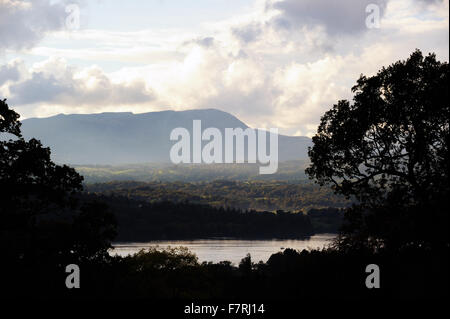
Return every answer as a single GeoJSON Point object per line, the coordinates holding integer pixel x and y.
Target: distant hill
{"type": "Point", "coordinates": [125, 138]}
{"type": "Point", "coordinates": [168, 172]}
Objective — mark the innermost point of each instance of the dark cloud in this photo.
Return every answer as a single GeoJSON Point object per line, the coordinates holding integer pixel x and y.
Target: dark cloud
{"type": "Point", "coordinates": [39, 88]}
{"type": "Point", "coordinates": [10, 72]}
{"type": "Point", "coordinates": [241, 55]}
{"type": "Point", "coordinates": [206, 42]}
{"type": "Point", "coordinates": [63, 87]}
{"type": "Point", "coordinates": [247, 33]}
{"type": "Point", "coordinates": [338, 17]}
{"type": "Point", "coordinates": [23, 23]}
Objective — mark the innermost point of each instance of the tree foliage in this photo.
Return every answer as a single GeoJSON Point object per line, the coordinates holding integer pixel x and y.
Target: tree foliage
{"type": "Point", "coordinates": [41, 220]}
{"type": "Point", "coordinates": [389, 150]}
{"type": "Point", "coordinates": [257, 195]}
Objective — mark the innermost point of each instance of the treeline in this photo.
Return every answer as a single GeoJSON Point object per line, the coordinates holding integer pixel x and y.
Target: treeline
{"type": "Point", "coordinates": [143, 221]}
{"type": "Point", "coordinates": [168, 172]}
{"type": "Point", "coordinates": [326, 220]}
{"type": "Point", "coordinates": [257, 209]}
{"type": "Point", "coordinates": [256, 195]}
{"type": "Point", "coordinates": [176, 275]}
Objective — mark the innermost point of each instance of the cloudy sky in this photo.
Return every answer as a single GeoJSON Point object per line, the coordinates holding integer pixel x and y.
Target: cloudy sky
{"type": "Point", "coordinates": [271, 63]}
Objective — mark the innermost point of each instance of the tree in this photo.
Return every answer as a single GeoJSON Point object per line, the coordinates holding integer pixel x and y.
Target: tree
{"type": "Point", "coordinates": [41, 217]}
{"type": "Point", "coordinates": [388, 150]}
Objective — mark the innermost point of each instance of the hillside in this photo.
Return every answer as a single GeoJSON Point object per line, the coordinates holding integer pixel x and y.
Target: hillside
{"type": "Point", "coordinates": [127, 138]}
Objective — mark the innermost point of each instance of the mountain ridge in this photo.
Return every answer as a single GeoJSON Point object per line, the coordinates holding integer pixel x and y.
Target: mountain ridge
{"type": "Point", "coordinates": [115, 138]}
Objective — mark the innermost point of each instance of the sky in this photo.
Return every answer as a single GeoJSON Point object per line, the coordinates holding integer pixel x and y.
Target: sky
{"type": "Point", "coordinates": [271, 63]}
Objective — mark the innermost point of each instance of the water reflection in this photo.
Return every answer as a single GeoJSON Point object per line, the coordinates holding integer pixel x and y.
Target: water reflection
{"type": "Point", "coordinates": [234, 250]}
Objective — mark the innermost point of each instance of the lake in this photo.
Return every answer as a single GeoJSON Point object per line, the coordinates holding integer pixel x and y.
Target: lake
{"type": "Point", "coordinates": [234, 250]}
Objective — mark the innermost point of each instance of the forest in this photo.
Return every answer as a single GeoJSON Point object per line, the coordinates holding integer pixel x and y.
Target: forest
{"type": "Point", "coordinates": [257, 195]}
{"type": "Point", "coordinates": [139, 220]}
{"type": "Point", "coordinates": [253, 209]}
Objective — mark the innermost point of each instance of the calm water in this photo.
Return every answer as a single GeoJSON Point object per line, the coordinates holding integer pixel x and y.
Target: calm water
{"type": "Point", "coordinates": [228, 249]}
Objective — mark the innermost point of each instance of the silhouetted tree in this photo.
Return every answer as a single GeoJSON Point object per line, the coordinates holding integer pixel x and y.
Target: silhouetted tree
{"type": "Point", "coordinates": [389, 150]}
{"type": "Point", "coordinates": [245, 265]}
{"type": "Point", "coordinates": [40, 218]}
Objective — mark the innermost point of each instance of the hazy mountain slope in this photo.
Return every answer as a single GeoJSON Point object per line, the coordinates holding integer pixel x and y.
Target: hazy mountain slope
{"type": "Point", "coordinates": [120, 138]}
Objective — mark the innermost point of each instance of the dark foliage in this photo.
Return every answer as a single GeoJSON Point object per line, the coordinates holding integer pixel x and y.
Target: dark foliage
{"type": "Point", "coordinates": [142, 221]}
{"type": "Point", "coordinates": [175, 274]}
{"type": "Point", "coordinates": [42, 225]}
{"type": "Point", "coordinates": [258, 195]}
{"type": "Point", "coordinates": [230, 197]}
{"type": "Point", "coordinates": [389, 149]}
{"type": "Point", "coordinates": [326, 220]}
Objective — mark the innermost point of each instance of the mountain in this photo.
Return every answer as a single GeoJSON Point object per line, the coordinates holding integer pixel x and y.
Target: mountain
{"type": "Point", "coordinates": [124, 138]}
